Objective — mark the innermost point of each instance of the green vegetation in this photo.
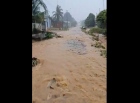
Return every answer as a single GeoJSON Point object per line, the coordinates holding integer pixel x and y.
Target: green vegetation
{"type": "Point", "coordinates": [90, 20]}
{"type": "Point", "coordinates": [101, 19]}
{"type": "Point", "coordinates": [103, 53]}
{"type": "Point", "coordinates": [57, 14]}
{"type": "Point", "coordinates": [36, 14]}
{"type": "Point", "coordinates": [95, 38]}
{"type": "Point", "coordinates": [97, 30]}
{"type": "Point", "coordinates": [49, 35]}
{"type": "Point", "coordinates": [68, 17]}
{"type": "Point", "coordinates": [98, 45]}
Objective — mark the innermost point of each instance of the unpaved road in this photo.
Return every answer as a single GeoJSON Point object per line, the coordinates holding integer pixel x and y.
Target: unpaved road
{"type": "Point", "coordinates": [79, 70]}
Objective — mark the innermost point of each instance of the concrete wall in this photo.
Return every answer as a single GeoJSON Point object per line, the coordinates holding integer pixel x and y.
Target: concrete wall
{"type": "Point", "coordinates": [40, 26]}
{"type": "Point", "coordinates": [48, 23]}
{"type": "Point", "coordinates": [37, 25]}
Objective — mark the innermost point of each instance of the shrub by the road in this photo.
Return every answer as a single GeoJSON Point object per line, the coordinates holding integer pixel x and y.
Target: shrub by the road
{"type": "Point", "coordinates": [97, 30]}
{"type": "Point", "coordinates": [95, 37]}
{"type": "Point", "coordinates": [99, 45]}
{"type": "Point", "coordinates": [49, 35]}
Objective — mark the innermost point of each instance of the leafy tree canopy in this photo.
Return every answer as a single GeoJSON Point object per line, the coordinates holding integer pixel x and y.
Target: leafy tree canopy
{"type": "Point", "coordinates": [68, 17]}
{"type": "Point", "coordinates": [90, 20]}
{"type": "Point", "coordinates": [101, 19]}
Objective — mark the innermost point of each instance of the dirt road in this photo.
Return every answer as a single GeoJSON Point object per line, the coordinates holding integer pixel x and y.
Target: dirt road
{"type": "Point", "coordinates": [78, 68]}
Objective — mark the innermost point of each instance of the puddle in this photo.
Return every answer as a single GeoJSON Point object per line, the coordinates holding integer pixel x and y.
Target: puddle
{"type": "Point", "coordinates": [76, 46]}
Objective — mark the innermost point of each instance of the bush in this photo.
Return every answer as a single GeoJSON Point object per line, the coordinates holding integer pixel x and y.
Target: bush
{"type": "Point", "coordinates": [98, 45]}
{"type": "Point", "coordinates": [95, 37]}
{"type": "Point", "coordinates": [49, 35]}
{"type": "Point", "coordinates": [97, 30]}
{"type": "Point", "coordinates": [105, 32]}
{"type": "Point", "coordinates": [101, 19]}
{"type": "Point", "coordinates": [103, 53]}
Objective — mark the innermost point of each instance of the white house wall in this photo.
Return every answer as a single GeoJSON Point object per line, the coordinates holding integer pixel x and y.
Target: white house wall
{"type": "Point", "coordinates": [48, 23]}
{"type": "Point", "coordinates": [40, 27]}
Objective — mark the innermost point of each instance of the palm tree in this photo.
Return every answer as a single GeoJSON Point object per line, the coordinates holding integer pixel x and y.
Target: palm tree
{"type": "Point", "coordinates": [35, 6]}
{"type": "Point", "coordinates": [36, 14]}
{"type": "Point", "coordinates": [58, 13]}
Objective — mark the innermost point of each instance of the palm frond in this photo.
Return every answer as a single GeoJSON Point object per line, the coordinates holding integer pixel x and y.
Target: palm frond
{"type": "Point", "coordinates": [35, 5]}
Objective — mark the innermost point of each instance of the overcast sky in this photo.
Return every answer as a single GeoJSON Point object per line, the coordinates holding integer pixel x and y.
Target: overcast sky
{"type": "Point", "coordinates": [79, 9]}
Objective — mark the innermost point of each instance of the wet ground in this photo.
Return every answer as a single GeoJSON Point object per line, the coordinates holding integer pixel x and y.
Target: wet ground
{"type": "Point", "coordinates": [79, 78]}
{"type": "Point", "coordinates": [76, 46]}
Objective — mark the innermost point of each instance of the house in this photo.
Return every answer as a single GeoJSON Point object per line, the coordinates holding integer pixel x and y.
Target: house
{"type": "Point", "coordinates": [46, 23]}
{"type": "Point", "coordinates": [57, 24]}
{"type": "Point", "coordinates": [66, 24]}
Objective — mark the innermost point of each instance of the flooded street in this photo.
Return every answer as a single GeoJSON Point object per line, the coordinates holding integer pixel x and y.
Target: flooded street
{"type": "Point", "coordinates": [76, 46]}
{"type": "Point", "coordinates": [78, 69]}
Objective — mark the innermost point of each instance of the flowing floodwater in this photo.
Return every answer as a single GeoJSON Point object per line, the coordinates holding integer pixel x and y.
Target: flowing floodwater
{"type": "Point", "coordinates": [76, 46]}
{"type": "Point", "coordinates": [79, 78]}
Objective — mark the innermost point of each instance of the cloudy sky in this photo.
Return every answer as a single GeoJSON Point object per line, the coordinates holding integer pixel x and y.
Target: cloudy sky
{"type": "Point", "coordinates": [79, 9]}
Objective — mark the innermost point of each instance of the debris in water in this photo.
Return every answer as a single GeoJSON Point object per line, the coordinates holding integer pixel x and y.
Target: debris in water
{"type": "Point", "coordinates": [76, 46]}
{"type": "Point", "coordinates": [51, 83]}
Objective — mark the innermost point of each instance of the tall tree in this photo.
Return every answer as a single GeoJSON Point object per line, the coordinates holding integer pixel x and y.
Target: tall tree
{"type": "Point", "coordinates": [68, 17]}
{"type": "Point", "coordinates": [36, 4]}
{"type": "Point", "coordinates": [57, 14]}
{"type": "Point", "coordinates": [90, 20]}
{"type": "Point", "coordinates": [35, 8]}
{"type": "Point", "coordinates": [36, 15]}
{"type": "Point", "coordinates": [101, 19]}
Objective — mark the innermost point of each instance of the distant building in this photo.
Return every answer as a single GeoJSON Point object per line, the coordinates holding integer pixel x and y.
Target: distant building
{"type": "Point", "coordinates": [46, 23]}
{"type": "Point", "coordinates": [66, 24]}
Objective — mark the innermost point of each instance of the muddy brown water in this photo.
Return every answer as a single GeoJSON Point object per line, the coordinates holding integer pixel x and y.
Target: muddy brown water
{"type": "Point", "coordinates": [76, 46]}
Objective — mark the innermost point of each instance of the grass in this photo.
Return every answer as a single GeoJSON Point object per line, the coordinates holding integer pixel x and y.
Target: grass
{"type": "Point", "coordinates": [103, 53]}
{"type": "Point", "coordinates": [99, 45]}
{"type": "Point", "coordinates": [95, 38]}
{"type": "Point", "coordinates": [97, 30]}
